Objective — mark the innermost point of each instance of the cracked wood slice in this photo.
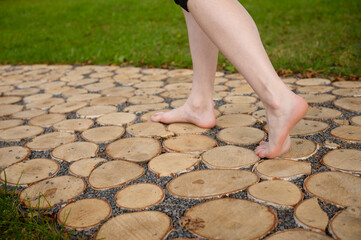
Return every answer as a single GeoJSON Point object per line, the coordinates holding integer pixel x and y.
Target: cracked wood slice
{"type": "Point", "coordinates": [157, 77]}
{"type": "Point", "coordinates": [309, 215]}
{"type": "Point", "coordinates": [145, 99]}
{"type": "Point", "coordinates": [306, 127]}
{"type": "Point", "coordinates": [145, 107]}
{"type": "Point", "coordinates": [13, 154]}
{"type": "Point", "coordinates": [37, 97]}
{"type": "Point", "coordinates": [282, 169]}
{"type": "Point", "coordinates": [225, 219]}
{"type": "Point", "coordinates": [139, 196]}
{"type": "Point", "coordinates": [114, 174]}
{"type": "Point", "coordinates": [5, 124]}
{"type": "Point", "coordinates": [356, 120]}
{"type": "Point", "coordinates": [169, 164]}
{"type": "Point", "coordinates": [95, 111]}
{"type": "Point", "coordinates": [315, 89]}
{"type": "Point", "coordinates": [84, 213]}
{"type": "Point", "coordinates": [300, 149]}
{"type": "Point", "coordinates": [348, 160]}
{"type": "Point", "coordinates": [149, 129]}
{"type": "Point", "coordinates": [189, 143]}
{"type": "Point", "coordinates": [350, 104]}
{"type": "Point", "coordinates": [50, 141]}
{"type": "Point", "coordinates": [313, 81]}
{"type": "Point", "coordinates": [260, 115]}
{"type": "Point", "coordinates": [74, 151]}
{"type": "Point", "coordinates": [348, 92]}
{"type": "Point", "coordinates": [117, 118]}
{"type": "Point", "coordinates": [338, 188]}
{"type": "Point", "coordinates": [150, 225]}
{"type": "Point", "coordinates": [348, 133]}
{"type": "Point", "coordinates": [9, 100]}
{"type": "Point", "coordinates": [47, 120]}
{"type": "Point", "coordinates": [322, 113]}
{"type": "Point", "coordinates": [235, 120]}
{"type": "Point", "coordinates": [30, 171]}
{"type": "Point", "coordinates": [277, 193]}
{"type": "Point", "coordinates": [67, 107]}
{"type": "Point", "coordinates": [237, 108]}
{"type": "Point", "coordinates": [86, 97]}
{"type": "Point", "coordinates": [85, 166]}
{"type": "Point", "coordinates": [186, 128]}
{"type": "Point", "coordinates": [27, 114]}
{"type": "Point", "coordinates": [73, 125]}
{"type": "Point", "coordinates": [99, 86]}
{"type": "Point", "coordinates": [229, 157]}
{"type": "Point", "coordinates": [8, 109]}
{"type": "Point", "coordinates": [346, 224]}
{"type": "Point", "coordinates": [240, 99]}
{"type": "Point", "coordinates": [108, 100]}
{"type": "Point", "coordinates": [48, 192]}
{"type": "Point", "coordinates": [134, 149]}
{"type": "Point", "coordinates": [341, 121]}
{"type": "Point", "coordinates": [211, 183]}
{"type": "Point", "coordinates": [149, 84]}
{"type": "Point", "coordinates": [45, 103]}
{"type": "Point", "coordinates": [347, 84]}
{"type": "Point", "coordinates": [298, 234]}
{"type": "Point", "coordinates": [242, 136]}
{"type": "Point", "coordinates": [103, 134]}
{"type": "Point", "coordinates": [317, 98]}
{"type": "Point", "coordinates": [20, 132]}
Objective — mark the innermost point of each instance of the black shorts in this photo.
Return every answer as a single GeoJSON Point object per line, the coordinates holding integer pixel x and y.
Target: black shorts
{"type": "Point", "coordinates": [182, 3]}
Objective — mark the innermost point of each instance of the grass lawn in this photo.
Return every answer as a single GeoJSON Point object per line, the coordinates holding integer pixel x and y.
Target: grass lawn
{"type": "Point", "coordinates": [298, 35]}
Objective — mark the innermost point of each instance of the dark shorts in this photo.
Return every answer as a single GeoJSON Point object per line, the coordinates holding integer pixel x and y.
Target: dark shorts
{"type": "Point", "coordinates": [182, 3]}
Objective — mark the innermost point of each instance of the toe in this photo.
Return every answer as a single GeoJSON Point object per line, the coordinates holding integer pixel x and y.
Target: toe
{"type": "Point", "coordinates": [156, 117]}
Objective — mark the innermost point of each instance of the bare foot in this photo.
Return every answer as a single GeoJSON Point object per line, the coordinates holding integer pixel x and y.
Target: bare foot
{"type": "Point", "coordinates": [281, 120]}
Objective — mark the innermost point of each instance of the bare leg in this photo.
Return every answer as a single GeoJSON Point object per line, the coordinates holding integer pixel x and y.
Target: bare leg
{"type": "Point", "coordinates": [199, 107]}
{"type": "Point", "coordinates": [229, 26]}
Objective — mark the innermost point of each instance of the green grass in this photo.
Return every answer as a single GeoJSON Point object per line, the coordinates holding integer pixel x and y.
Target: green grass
{"type": "Point", "coordinates": [298, 35]}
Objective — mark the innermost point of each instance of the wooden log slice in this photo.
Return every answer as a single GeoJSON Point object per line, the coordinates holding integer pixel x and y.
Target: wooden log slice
{"type": "Point", "coordinates": [225, 219]}
{"type": "Point", "coordinates": [8, 109]}
{"type": "Point", "coordinates": [45, 104]}
{"type": "Point", "coordinates": [103, 134]}
{"type": "Point", "coordinates": [175, 94]}
{"type": "Point", "coordinates": [242, 136]}
{"type": "Point", "coordinates": [135, 149]}
{"type": "Point", "coordinates": [236, 83]}
{"type": "Point", "coordinates": [297, 234]}
{"type": "Point", "coordinates": [20, 132]}
{"type": "Point", "coordinates": [95, 111]}
{"type": "Point", "coordinates": [289, 80]}
{"type": "Point", "coordinates": [5, 124]}
{"type": "Point", "coordinates": [308, 214]}
{"type": "Point", "coordinates": [50, 141]}
{"type": "Point", "coordinates": [229, 157]}
{"type": "Point", "coordinates": [73, 91]}
{"type": "Point", "coordinates": [30, 171]}
{"type": "Point", "coordinates": [139, 196]}
{"type": "Point", "coordinates": [86, 97]}
{"type": "Point", "coordinates": [145, 99]}
{"type": "Point", "coordinates": [9, 100]}
{"type": "Point", "coordinates": [51, 85]}
{"type": "Point", "coordinates": [348, 92]}
{"type": "Point", "coordinates": [47, 120]}
{"type": "Point", "coordinates": [108, 100]}
{"type": "Point", "coordinates": [220, 80]}
{"type": "Point", "coordinates": [85, 213]}
{"type": "Point", "coordinates": [306, 127]}
{"type": "Point", "coordinates": [340, 189]}
{"type": "Point", "coordinates": [260, 115]}
{"type": "Point", "coordinates": [58, 90]}
{"type": "Point", "coordinates": [37, 97]}
{"type": "Point", "coordinates": [245, 89]}
{"type": "Point", "coordinates": [99, 86]}
{"type": "Point", "coordinates": [178, 86]}
{"type": "Point", "coordinates": [149, 91]}
{"type": "Point", "coordinates": [315, 89]}
{"type": "Point", "coordinates": [237, 108]}
{"type": "Point", "coordinates": [154, 71]}
{"type": "Point", "coordinates": [347, 133]}
{"type": "Point", "coordinates": [235, 120]}
{"type": "Point", "coordinates": [341, 121]}
{"type": "Point", "coordinates": [119, 91]}
{"type": "Point", "coordinates": [47, 193]}
{"type": "Point", "coordinates": [317, 98]}
{"type": "Point", "coordinates": [234, 76]}
{"type": "Point", "coordinates": [240, 99]}
{"type": "Point", "coordinates": [149, 129]}
{"type": "Point", "coordinates": [322, 113]}
{"type": "Point", "coordinates": [218, 96]}
{"type": "Point", "coordinates": [85, 166]}
{"type": "Point", "coordinates": [150, 225]}
{"type": "Point", "coordinates": [178, 103]}
{"type": "Point", "coordinates": [186, 128]}
{"type": "Point", "coordinates": [180, 72]}
{"type": "Point", "coordinates": [346, 224]}
{"type": "Point", "coordinates": [220, 88]}
{"type": "Point", "coordinates": [101, 74]}
{"type": "Point", "coordinates": [211, 183]}
{"type": "Point", "coordinates": [350, 104]}
{"type": "Point", "coordinates": [300, 149]}
{"type": "Point", "coordinates": [149, 84]}
{"type": "Point", "coordinates": [282, 169]}
{"type": "Point", "coordinates": [13, 154]}
{"type": "Point", "coordinates": [356, 120]}
{"type": "Point", "coordinates": [277, 193]}
{"type": "Point", "coordinates": [27, 114]}
{"type": "Point", "coordinates": [145, 107]}
{"type": "Point", "coordinates": [73, 125]}
{"type": "Point", "coordinates": [189, 143]}
{"type": "Point", "coordinates": [179, 79]}
{"type": "Point", "coordinates": [127, 80]}
{"type": "Point", "coordinates": [117, 118]}
{"type": "Point", "coordinates": [114, 174]}
{"type": "Point", "coordinates": [128, 70]}
{"type": "Point", "coordinates": [313, 82]}
{"type": "Point", "coordinates": [22, 92]}
{"type": "Point", "coordinates": [347, 84]}
{"type": "Point", "coordinates": [67, 107]}
{"type": "Point", "coordinates": [74, 151]}
{"type": "Point", "coordinates": [348, 160]}
{"type": "Point", "coordinates": [158, 77]}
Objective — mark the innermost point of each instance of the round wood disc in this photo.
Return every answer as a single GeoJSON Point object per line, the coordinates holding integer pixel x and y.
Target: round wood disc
{"type": "Point", "coordinates": [341, 121]}
{"type": "Point", "coordinates": [218, 96]}
{"type": "Point", "coordinates": [135, 149]}
{"type": "Point", "coordinates": [260, 115]}
{"type": "Point", "coordinates": [356, 120]}
{"type": "Point", "coordinates": [236, 83]}
{"type": "Point", "coordinates": [146, 107]}
{"type": "Point", "coordinates": [169, 164]}
{"type": "Point", "coordinates": [282, 169]}
{"type": "Point", "coordinates": [309, 214]}
{"type": "Point", "coordinates": [145, 99]}
{"type": "Point", "coordinates": [235, 120]}
{"type": "Point", "coordinates": [73, 91]}
{"type": "Point", "coordinates": [27, 114]}
{"type": "Point", "coordinates": [50, 141]}
{"type": "Point", "coordinates": [108, 100]}
{"type": "Point", "coordinates": [315, 89]}
{"type": "Point", "coordinates": [47, 193]}
{"type": "Point", "coordinates": [297, 234]}
{"type": "Point", "coordinates": [322, 113]}
{"type": "Point", "coordinates": [186, 128]}
{"type": "Point", "coordinates": [278, 193]}
{"type": "Point", "coordinates": [149, 129]}
{"type": "Point", "coordinates": [300, 149]}
{"type": "Point", "coordinates": [149, 91]}
{"type": "Point", "coordinates": [225, 219]}
{"type": "Point", "coordinates": [45, 103]}
{"type": "Point", "coordinates": [348, 133]}
{"type": "Point", "coordinates": [348, 160]}
{"type": "Point", "coordinates": [347, 84]}
{"type": "Point", "coordinates": [67, 107]}
{"type": "Point", "coordinates": [99, 86]}
{"type": "Point", "coordinates": [9, 100]}
{"type": "Point", "coordinates": [158, 77]}
{"type": "Point", "coordinates": [127, 70]}
{"type": "Point", "coordinates": [117, 118]}
{"type": "Point", "coordinates": [13, 154]}
{"type": "Point", "coordinates": [119, 91]}
{"type": "Point", "coordinates": [103, 134]}
{"type": "Point", "coordinates": [350, 104]}
{"type": "Point", "coordinates": [178, 103]}
{"type": "Point", "coordinates": [37, 97]}
{"type": "Point", "coordinates": [139, 196]}
{"type": "Point", "coordinates": [346, 224]}
{"type": "Point", "coordinates": [229, 157]}
{"type": "Point", "coordinates": [95, 111]}
{"type": "Point", "coordinates": [313, 82]}
{"type": "Point", "coordinates": [47, 120]}
{"type": "Point", "coordinates": [240, 99]}
{"type": "Point", "coordinates": [180, 72]}
{"type": "Point", "coordinates": [317, 98]}
{"type": "Point", "coordinates": [245, 89]}
{"type": "Point", "coordinates": [154, 71]}
{"type": "Point", "coordinates": [8, 109]}
{"type": "Point", "coordinates": [242, 136]}
{"type": "Point", "coordinates": [83, 167]}
{"type": "Point", "coordinates": [5, 124]}
{"type": "Point", "coordinates": [146, 117]}
{"type": "Point", "coordinates": [175, 94]}
{"type": "Point", "coordinates": [74, 151]}
{"type": "Point", "coordinates": [101, 74]}
{"type": "Point", "coordinates": [237, 108]}
{"type": "Point", "coordinates": [179, 79]}
{"type": "Point", "coordinates": [83, 97]}
{"type": "Point", "coordinates": [340, 189]}
{"type": "Point", "coordinates": [150, 225]}
{"type": "Point", "coordinates": [30, 171]}
{"type": "Point", "coordinates": [73, 125]}
{"type": "Point", "coordinates": [20, 132]}
{"type": "Point", "coordinates": [114, 174]}
{"type": "Point", "coordinates": [85, 213]}
{"type": "Point", "coordinates": [348, 92]}
{"type": "Point", "coordinates": [149, 84]}
{"type": "Point", "coordinates": [306, 127]}
{"type": "Point", "coordinates": [189, 143]}
{"type": "Point", "coordinates": [211, 183]}
{"type": "Point", "coordinates": [22, 92]}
